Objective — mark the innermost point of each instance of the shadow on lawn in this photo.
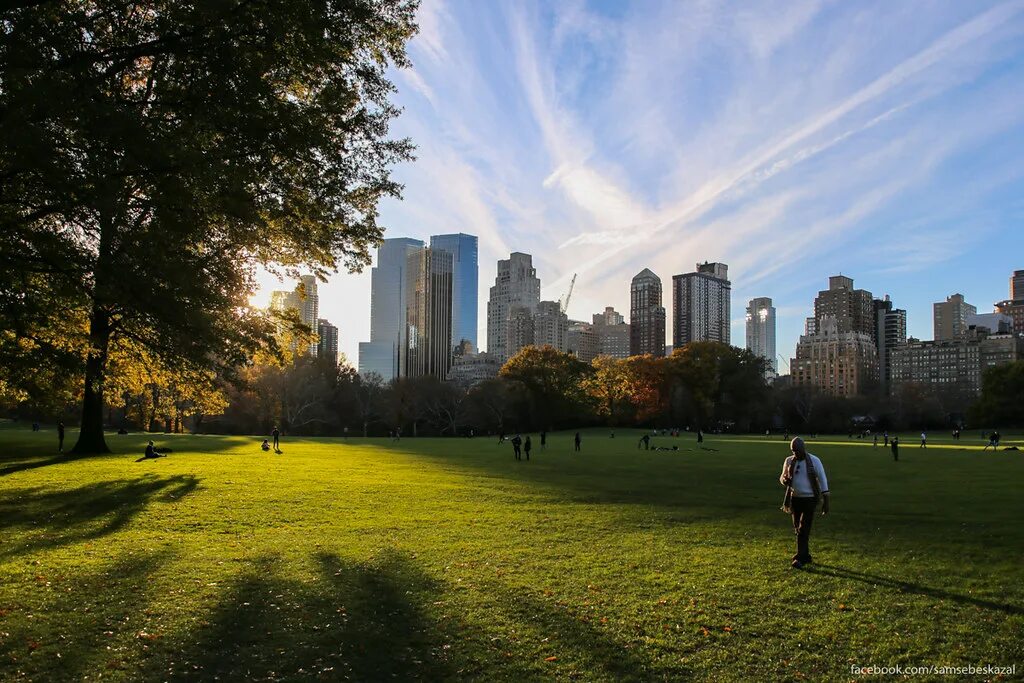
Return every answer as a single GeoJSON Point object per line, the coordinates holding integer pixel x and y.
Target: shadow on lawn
{"type": "Point", "coordinates": [36, 518]}
{"type": "Point", "coordinates": [908, 587]}
{"type": "Point", "coordinates": [354, 621]}
{"type": "Point", "coordinates": [386, 619]}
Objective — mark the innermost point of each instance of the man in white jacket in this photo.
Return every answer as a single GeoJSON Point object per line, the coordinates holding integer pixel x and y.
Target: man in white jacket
{"type": "Point", "coordinates": [803, 475]}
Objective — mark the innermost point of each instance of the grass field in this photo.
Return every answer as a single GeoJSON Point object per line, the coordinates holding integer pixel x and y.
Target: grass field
{"type": "Point", "coordinates": [442, 558]}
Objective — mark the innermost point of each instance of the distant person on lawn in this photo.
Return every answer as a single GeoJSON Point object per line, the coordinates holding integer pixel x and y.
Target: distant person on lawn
{"type": "Point", "coordinates": [543, 440]}
{"type": "Point", "coordinates": [265, 445]}
{"type": "Point", "coordinates": [700, 436]}
{"type": "Point", "coordinates": [577, 441]}
{"type": "Point", "coordinates": [645, 441]}
{"type": "Point", "coordinates": [60, 437]}
{"type": "Point", "coordinates": [277, 439]}
{"type": "Point", "coordinates": [924, 440]}
{"type": "Point", "coordinates": [527, 446]}
{"type": "Point", "coordinates": [516, 446]}
{"type": "Point", "coordinates": [803, 475]}
{"type": "Point", "coordinates": [151, 453]}
{"type": "Point", "coordinates": [993, 441]}
{"type": "Point", "coordinates": [895, 445]}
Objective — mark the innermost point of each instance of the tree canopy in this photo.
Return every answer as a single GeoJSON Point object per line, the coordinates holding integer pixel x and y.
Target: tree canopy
{"type": "Point", "coordinates": [153, 154]}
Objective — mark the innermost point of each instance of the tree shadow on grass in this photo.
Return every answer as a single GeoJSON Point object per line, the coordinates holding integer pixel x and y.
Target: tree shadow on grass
{"type": "Point", "coordinates": [33, 519]}
{"type": "Point", "coordinates": [66, 624]}
{"type": "Point", "coordinates": [351, 621]}
{"type": "Point", "coordinates": [915, 588]}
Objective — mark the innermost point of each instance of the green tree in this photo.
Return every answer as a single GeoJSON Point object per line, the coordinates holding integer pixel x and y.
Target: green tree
{"type": "Point", "coordinates": [553, 382]}
{"type": "Point", "coordinates": [1002, 396]}
{"type": "Point", "coordinates": [154, 153]}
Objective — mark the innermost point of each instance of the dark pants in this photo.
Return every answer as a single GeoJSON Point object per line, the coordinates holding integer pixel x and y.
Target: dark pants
{"type": "Point", "coordinates": [277, 443]}
{"type": "Point", "coordinates": [803, 517]}
{"type": "Point", "coordinates": [895, 453]}
{"type": "Point", "coordinates": [577, 445]}
{"type": "Point", "coordinates": [527, 453]}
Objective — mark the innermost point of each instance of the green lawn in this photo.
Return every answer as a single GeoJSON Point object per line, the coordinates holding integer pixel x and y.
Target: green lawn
{"type": "Point", "coordinates": [444, 558]}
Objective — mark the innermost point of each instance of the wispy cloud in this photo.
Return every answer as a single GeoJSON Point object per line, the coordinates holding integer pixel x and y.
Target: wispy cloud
{"type": "Point", "coordinates": [785, 138]}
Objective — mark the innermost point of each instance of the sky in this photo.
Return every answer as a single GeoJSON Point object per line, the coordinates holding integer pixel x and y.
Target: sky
{"type": "Point", "coordinates": [791, 140]}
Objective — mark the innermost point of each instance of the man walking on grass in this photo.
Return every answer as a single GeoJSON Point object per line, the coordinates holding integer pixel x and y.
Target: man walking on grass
{"type": "Point", "coordinates": [895, 448]}
{"type": "Point", "coordinates": [277, 439]}
{"type": "Point", "coordinates": [60, 437]}
{"type": "Point", "coordinates": [577, 441]}
{"type": "Point", "coordinates": [803, 475]}
{"type": "Point", "coordinates": [527, 445]}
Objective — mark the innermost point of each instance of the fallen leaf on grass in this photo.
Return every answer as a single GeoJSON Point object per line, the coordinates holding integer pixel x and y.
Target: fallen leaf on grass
{"type": "Point", "coordinates": [551, 659]}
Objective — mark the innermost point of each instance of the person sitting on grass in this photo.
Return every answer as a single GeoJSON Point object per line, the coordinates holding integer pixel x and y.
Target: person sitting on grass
{"type": "Point", "coordinates": [265, 446]}
{"type": "Point", "coordinates": [803, 475]}
{"type": "Point", "coordinates": [151, 453]}
{"type": "Point", "coordinates": [645, 441]}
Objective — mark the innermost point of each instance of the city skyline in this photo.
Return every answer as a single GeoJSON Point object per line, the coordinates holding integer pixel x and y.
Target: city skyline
{"type": "Point", "coordinates": [852, 171]}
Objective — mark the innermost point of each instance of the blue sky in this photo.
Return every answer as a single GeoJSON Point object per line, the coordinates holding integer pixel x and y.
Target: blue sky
{"type": "Point", "coordinates": [791, 140]}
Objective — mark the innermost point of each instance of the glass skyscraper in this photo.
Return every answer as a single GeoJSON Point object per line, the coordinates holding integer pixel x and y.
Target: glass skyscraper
{"type": "Point", "coordinates": [465, 283]}
{"type": "Point", "coordinates": [388, 287]}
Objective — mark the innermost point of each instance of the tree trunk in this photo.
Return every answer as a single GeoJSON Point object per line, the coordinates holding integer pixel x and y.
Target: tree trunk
{"type": "Point", "coordinates": [90, 438]}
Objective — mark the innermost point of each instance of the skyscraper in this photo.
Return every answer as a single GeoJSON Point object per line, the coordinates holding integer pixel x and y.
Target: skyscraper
{"type": "Point", "coordinates": [891, 331]}
{"type": "Point", "coordinates": [949, 317]}
{"type": "Point", "coordinates": [701, 305]}
{"type": "Point", "coordinates": [838, 354]}
{"type": "Point", "coordinates": [516, 285]}
{"type": "Point", "coordinates": [428, 349]}
{"type": "Point", "coordinates": [612, 333]}
{"type": "Point", "coordinates": [465, 284]}
{"type": "Point", "coordinates": [550, 325]}
{"type": "Point", "coordinates": [853, 309]}
{"type": "Point", "coordinates": [761, 333]}
{"type": "Point", "coordinates": [380, 355]}
{"type": "Point", "coordinates": [305, 301]}
{"type": "Point", "coordinates": [327, 346]}
{"type": "Point", "coordinates": [646, 315]}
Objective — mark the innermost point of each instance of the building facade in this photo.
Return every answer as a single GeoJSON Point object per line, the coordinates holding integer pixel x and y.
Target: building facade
{"type": "Point", "coordinates": [852, 309]}
{"type": "Point", "coordinates": [954, 364]}
{"type": "Point", "coordinates": [515, 286]}
{"type": "Point", "coordinates": [465, 284]}
{"type": "Point", "coordinates": [327, 341]}
{"type": "Point", "coordinates": [838, 363]}
{"type": "Point", "coordinates": [550, 326]}
{"type": "Point", "coordinates": [583, 341]}
{"type": "Point", "coordinates": [890, 332]}
{"type": "Point", "coordinates": [428, 347]}
{"type": "Point", "coordinates": [388, 312]}
{"type": "Point", "coordinates": [473, 368]}
{"type": "Point", "coordinates": [949, 317]}
{"type": "Point", "coordinates": [761, 333]}
{"type": "Point", "coordinates": [305, 301]}
{"type": "Point", "coordinates": [701, 305]}
{"type": "Point", "coordinates": [646, 315]}
{"type": "Point", "coordinates": [1014, 306]}
{"type": "Point", "coordinates": [613, 333]}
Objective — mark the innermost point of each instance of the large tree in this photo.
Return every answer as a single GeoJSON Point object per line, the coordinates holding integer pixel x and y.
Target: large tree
{"type": "Point", "coordinates": [154, 153]}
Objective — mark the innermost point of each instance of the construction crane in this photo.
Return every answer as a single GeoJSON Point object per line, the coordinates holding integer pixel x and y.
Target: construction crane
{"type": "Point", "coordinates": [563, 303]}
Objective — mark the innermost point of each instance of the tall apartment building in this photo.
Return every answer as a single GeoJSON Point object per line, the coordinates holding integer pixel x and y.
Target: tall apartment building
{"type": "Point", "coordinates": [852, 309]}
{"type": "Point", "coordinates": [761, 333]}
{"type": "Point", "coordinates": [949, 317]}
{"type": "Point", "coordinates": [954, 364]}
{"type": "Point", "coordinates": [837, 363]}
{"type": "Point", "coordinates": [701, 305]}
{"type": "Point", "coordinates": [519, 332]}
{"type": "Point", "coordinates": [465, 284]}
{"type": "Point", "coordinates": [327, 341]}
{"type": "Point", "coordinates": [516, 285]}
{"type": "Point", "coordinates": [613, 333]}
{"type": "Point", "coordinates": [550, 326]}
{"type": "Point", "coordinates": [646, 315]}
{"type": "Point", "coordinates": [582, 341]}
{"type": "Point", "coordinates": [890, 332]}
{"type": "Point", "coordinates": [388, 312]}
{"type": "Point", "coordinates": [1014, 306]}
{"type": "Point", "coordinates": [428, 347]}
